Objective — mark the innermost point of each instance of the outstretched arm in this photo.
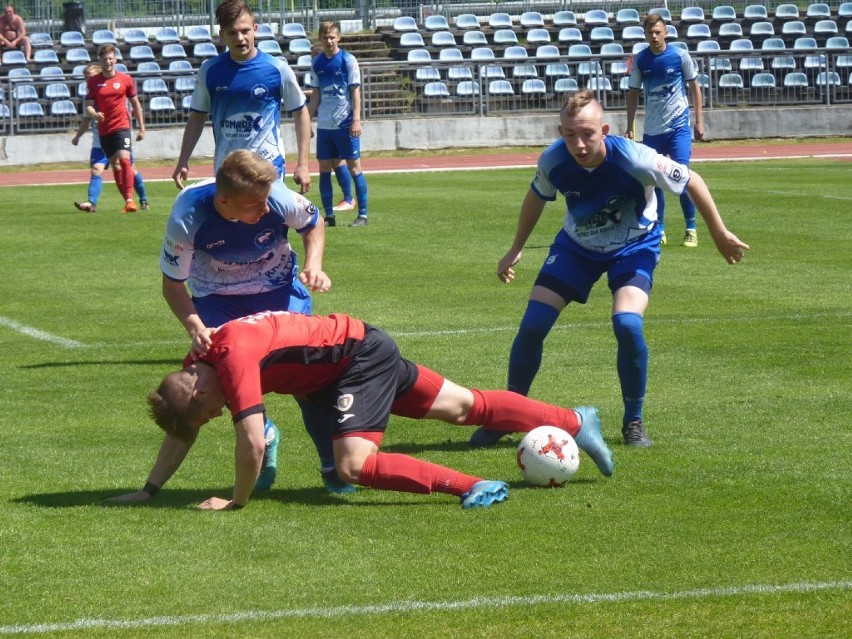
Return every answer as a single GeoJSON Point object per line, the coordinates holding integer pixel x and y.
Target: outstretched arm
{"type": "Point", "coordinates": [531, 210]}
{"type": "Point", "coordinates": [171, 456]}
{"type": "Point", "coordinates": [248, 458]}
{"type": "Point", "coordinates": [728, 244]}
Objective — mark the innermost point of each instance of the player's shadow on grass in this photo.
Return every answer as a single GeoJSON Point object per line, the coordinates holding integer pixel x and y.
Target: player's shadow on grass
{"type": "Point", "coordinates": [105, 362]}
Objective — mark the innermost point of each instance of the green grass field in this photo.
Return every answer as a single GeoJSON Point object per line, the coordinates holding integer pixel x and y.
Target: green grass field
{"type": "Point", "coordinates": [735, 524]}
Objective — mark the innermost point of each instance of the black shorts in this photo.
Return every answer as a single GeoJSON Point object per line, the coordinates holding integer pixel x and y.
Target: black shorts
{"type": "Point", "coordinates": [361, 398]}
{"type": "Point", "coordinates": [116, 141]}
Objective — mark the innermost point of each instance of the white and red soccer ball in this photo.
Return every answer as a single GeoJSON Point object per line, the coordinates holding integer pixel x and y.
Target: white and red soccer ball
{"type": "Point", "coordinates": [548, 456]}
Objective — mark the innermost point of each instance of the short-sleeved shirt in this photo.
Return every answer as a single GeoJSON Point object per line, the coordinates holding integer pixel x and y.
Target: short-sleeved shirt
{"type": "Point", "coordinates": [335, 77]}
{"type": "Point", "coordinates": [280, 352]}
{"type": "Point", "coordinates": [611, 209]}
{"type": "Point", "coordinates": [664, 77]}
{"type": "Point", "coordinates": [215, 255]}
{"type": "Point", "coordinates": [110, 96]}
{"type": "Point", "coordinates": [244, 100]}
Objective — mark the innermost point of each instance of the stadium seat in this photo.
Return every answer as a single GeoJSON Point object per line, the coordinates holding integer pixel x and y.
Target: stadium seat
{"type": "Point", "coordinates": [264, 32]}
{"type": "Point", "coordinates": [199, 33]}
{"type": "Point", "coordinates": [185, 83]}
{"type": "Point", "coordinates": [596, 18]}
{"type": "Point", "coordinates": [844, 10]}
{"type": "Point", "coordinates": [23, 92]}
{"type": "Point", "coordinates": [19, 74]}
{"type": "Point", "coordinates": [546, 51]}
{"type": "Point", "coordinates": [730, 30]}
{"type": "Point", "coordinates": [825, 28]}
{"type": "Point", "coordinates": [786, 12]}
{"type": "Point", "coordinates": [51, 72]}
{"type": "Point", "coordinates": [436, 90]}
{"type": "Point", "coordinates": [427, 74]}
{"type": "Point", "coordinates": [772, 44]}
{"type": "Point", "coordinates": [419, 56]}
{"type": "Point", "coordinates": [459, 72]}
{"type": "Point", "coordinates": [707, 46]}
{"type": "Point", "coordinates": [566, 85]}
{"type": "Point", "coordinates": [837, 42]}
{"type": "Point", "coordinates": [815, 61]}
{"type": "Point", "coordinates": [30, 110]}
{"type": "Point", "coordinates": [411, 39]}
{"type": "Point", "coordinates": [599, 83]}
{"type": "Point", "coordinates": [633, 34]}
{"type": "Point", "coordinates": [755, 13]}
{"type": "Point", "coordinates": [515, 52]}
{"type": "Point", "coordinates": [39, 40]}
{"type": "Point", "coordinates": [14, 57]}
{"type": "Point", "coordinates": [612, 48]}
{"type": "Point", "coordinates": [500, 21]}
{"type": "Point", "coordinates": [794, 28]}
{"type": "Point", "coordinates": [599, 35]}
{"type": "Point", "coordinates": [291, 30]}
{"type": "Point", "coordinates": [579, 51]}
{"type": "Point", "coordinates": [154, 86]}
{"type": "Point", "coordinates": [474, 39]}
{"type": "Point", "coordinates": [270, 46]}
{"type": "Point", "coordinates": [796, 79]}
{"type": "Point", "coordinates": [533, 86]}
{"type": "Point", "coordinates": [557, 70]}
{"type": "Point", "coordinates": [204, 50]}
{"type": "Point", "coordinates": [77, 71]}
{"type": "Point", "coordinates": [4, 111]}
{"type": "Point", "coordinates": [751, 63]}
{"type": "Point", "coordinates": [679, 45]}
{"type": "Point", "coordinates": [103, 36]}
{"type": "Point", "coordinates": [731, 81]}
{"type": "Point", "coordinates": [527, 70]}
{"type": "Point", "coordinates": [784, 62]}
{"type": "Point", "coordinates": [166, 35]}
{"type": "Point", "coordinates": [467, 88]}
{"type": "Point", "coordinates": [491, 72]}
{"type": "Point", "coordinates": [827, 78]}
{"type": "Point", "coordinates": [45, 56]}
{"type": "Point", "coordinates": [626, 17]}
{"type": "Point", "coordinates": [723, 13]}
{"type": "Point", "coordinates": [741, 44]}
{"type": "Point", "coordinates": [538, 36]}
{"type": "Point", "coordinates": [665, 14]}
{"type": "Point", "coordinates": [148, 68]}
{"type": "Point", "coordinates": [63, 108]}
{"type": "Point", "coordinates": [505, 36]}
{"type": "Point", "coordinates": [450, 54]}
{"type": "Point", "coordinates": [590, 68]}
{"type": "Point", "coordinates": [135, 36]}
{"type": "Point", "coordinates": [818, 11]}
{"type": "Point", "coordinates": [564, 19]}
{"type": "Point", "coordinates": [436, 23]}
{"type": "Point", "coordinates": [482, 53]}
{"type": "Point", "coordinates": [142, 53]}
{"type": "Point", "coordinates": [72, 39]}
{"type": "Point", "coordinates": [763, 81]}
{"type": "Point", "coordinates": [571, 34]}
{"type": "Point", "coordinates": [691, 14]}
{"type": "Point", "coordinates": [467, 21]}
{"type": "Point", "coordinates": [703, 81]}
{"type": "Point", "coordinates": [671, 32]}
{"type": "Point", "coordinates": [805, 43]}
{"type": "Point", "coordinates": [57, 91]}
{"type": "Point", "coordinates": [500, 87]}
{"type": "Point", "coordinates": [77, 55]}
{"type": "Point", "coordinates": [404, 24]}
{"type": "Point", "coordinates": [719, 64]}
{"type": "Point", "coordinates": [531, 19]}
{"type": "Point", "coordinates": [161, 105]}
{"type": "Point", "coordinates": [172, 51]}
{"type": "Point", "coordinates": [121, 68]}
{"type": "Point", "coordinates": [698, 31]}
{"type": "Point", "coordinates": [186, 102]}
{"type": "Point", "coordinates": [443, 39]}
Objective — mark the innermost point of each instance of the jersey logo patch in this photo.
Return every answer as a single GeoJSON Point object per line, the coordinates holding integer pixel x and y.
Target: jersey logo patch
{"type": "Point", "coordinates": [259, 92]}
{"type": "Point", "coordinates": [344, 402]}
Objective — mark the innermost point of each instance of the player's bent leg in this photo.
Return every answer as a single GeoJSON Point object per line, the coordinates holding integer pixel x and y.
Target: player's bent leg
{"type": "Point", "coordinates": [320, 428]}
{"type": "Point", "coordinates": [590, 440]}
{"type": "Point", "coordinates": [269, 468]}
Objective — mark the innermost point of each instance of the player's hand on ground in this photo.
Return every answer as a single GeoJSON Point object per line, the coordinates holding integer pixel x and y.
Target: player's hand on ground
{"type": "Point", "coordinates": [180, 175]}
{"type": "Point", "coordinates": [215, 503]}
{"type": "Point", "coordinates": [302, 177]}
{"type": "Point", "coordinates": [130, 498]}
{"type": "Point", "coordinates": [315, 281]}
{"type": "Point", "coordinates": [504, 268]}
{"type": "Point", "coordinates": [731, 247]}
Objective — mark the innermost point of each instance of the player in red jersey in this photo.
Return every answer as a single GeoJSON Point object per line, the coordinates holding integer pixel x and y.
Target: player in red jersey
{"type": "Point", "coordinates": [354, 373]}
{"type": "Point", "coordinates": [106, 103]}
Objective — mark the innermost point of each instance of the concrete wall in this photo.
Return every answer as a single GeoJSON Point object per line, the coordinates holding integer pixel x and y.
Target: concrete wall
{"type": "Point", "coordinates": [448, 132]}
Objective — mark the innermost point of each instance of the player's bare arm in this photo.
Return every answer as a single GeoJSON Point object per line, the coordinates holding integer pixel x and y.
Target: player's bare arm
{"type": "Point", "coordinates": [302, 174]}
{"type": "Point", "coordinates": [169, 459]}
{"type": "Point", "coordinates": [191, 134]}
{"type": "Point", "coordinates": [248, 458]}
{"type": "Point", "coordinates": [728, 244]}
{"type": "Point", "coordinates": [180, 303]}
{"type": "Point", "coordinates": [531, 211]}
{"type": "Point", "coordinates": [311, 274]}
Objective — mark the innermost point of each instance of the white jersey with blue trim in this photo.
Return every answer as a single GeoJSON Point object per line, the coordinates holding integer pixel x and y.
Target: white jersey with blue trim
{"type": "Point", "coordinates": [214, 255]}
{"type": "Point", "coordinates": [612, 208]}
{"type": "Point", "coordinates": [335, 76]}
{"type": "Point", "coordinates": [245, 100]}
{"type": "Point", "coordinates": [665, 77]}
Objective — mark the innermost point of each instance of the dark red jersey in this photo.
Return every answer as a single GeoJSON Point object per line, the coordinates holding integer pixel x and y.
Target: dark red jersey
{"type": "Point", "coordinates": [110, 96]}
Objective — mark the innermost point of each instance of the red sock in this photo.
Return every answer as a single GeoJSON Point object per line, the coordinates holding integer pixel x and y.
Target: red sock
{"type": "Point", "coordinates": [126, 186]}
{"type": "Point", "coordinates": [119, 179]}
{"type": "Point", "coordinates": [391, 471]}
{"type": "Point", "coordinates": [511, 412]}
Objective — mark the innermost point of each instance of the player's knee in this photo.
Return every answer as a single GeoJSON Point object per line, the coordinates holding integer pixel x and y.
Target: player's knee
{"type": "Point", "coordinates": [628, 328]}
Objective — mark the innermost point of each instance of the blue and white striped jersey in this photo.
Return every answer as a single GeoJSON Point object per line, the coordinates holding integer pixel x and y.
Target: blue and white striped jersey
{"type": "Point", "coordinates": [335, 76]}
{"type": "Point", "coordinates": [665, 77]}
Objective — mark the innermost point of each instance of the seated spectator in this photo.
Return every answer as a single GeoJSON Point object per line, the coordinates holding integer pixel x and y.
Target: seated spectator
{"type": "Point", "coordinates": [13, 32]}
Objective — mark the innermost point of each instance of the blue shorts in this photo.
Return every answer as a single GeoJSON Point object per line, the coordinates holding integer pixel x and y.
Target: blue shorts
{"type": "Point", "coordinates": [676, 144]}
{"type": "Point", "coordinates": [215, 310]}
{"type": "Point", "coordinates": [571, 275]}
{"type": "Point", "coordinates": [97, 156]}
{"type": "Point", "coordinates": [335, 144]}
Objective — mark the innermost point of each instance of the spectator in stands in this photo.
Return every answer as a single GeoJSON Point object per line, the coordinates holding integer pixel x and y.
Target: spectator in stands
{"type": "Point", "coordinates": [667, 75]}
{"type": "Point", "coordinates": [13, 32]}
{"type": "Point", "coordinates": [610, 228]}
{"type": "Point", "coordinates": [106, 103]}
{"type": "Point", "coordinates": [98, 161]}
{"type": "Point", "coordinates": [336, 101]}
{"type": "Point", "coordinates": [244, 89]}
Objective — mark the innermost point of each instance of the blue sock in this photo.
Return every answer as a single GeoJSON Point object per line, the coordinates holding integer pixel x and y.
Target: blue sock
{"type": "Point", "coordinates": [319, 426]}
{"type": "Point", "coordinates": [361, 193]}
{"type": "Point", "coordinates": [527, 349]}
{"type": "Point", "coordinates": [632, 362]}
{"type": "Point", "coordinates": [139, 185]}
{"type": "Point", "coordinates": [327, 193]}
{"type": "Point", "coordinates": [96, 185]}
{"type": "Point", "coordinates": [661, 208]}
{"type": "Point", "coordinates": [344, 180]}
{"type": "Point", "coordinates": [688, 211]}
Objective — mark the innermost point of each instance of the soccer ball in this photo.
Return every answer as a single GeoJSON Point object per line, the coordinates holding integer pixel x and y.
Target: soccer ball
{"type": "Point", "coordinates": [548, 456]}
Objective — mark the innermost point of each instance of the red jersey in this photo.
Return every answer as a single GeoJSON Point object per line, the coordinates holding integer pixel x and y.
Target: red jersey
{"type": "Point", "coordinates": [110, 96]}
{"type": "Point", "coordinates": [280, 352]}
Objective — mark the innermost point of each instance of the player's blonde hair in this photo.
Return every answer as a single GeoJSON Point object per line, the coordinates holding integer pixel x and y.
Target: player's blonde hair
{"type": "Point", "coordinates": [577, 102]}
{"type": "Point", "coordinates": [172, 406]}
{"type": "Point", "coordinates": [242, 171]}
{"type": "Point", "coordinates": [92, 69]}
{"type": "Point", "coordinates": [106, 48]}
{"type": "Point", "coordinates": [325, 27]}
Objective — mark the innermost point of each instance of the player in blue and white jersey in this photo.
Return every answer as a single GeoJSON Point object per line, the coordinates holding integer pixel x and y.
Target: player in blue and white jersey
{"type": "Point", "coordinates": [337, 104]}
{"type": "Point", "coordinates": [666, 73]}
{"type": "Point", "coordinates": [242, 90]}
{"type": "Point", "coordinates": [610, 227]}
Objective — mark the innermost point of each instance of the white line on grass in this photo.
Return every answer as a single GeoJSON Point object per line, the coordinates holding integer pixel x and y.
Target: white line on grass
{"type": "Point", "coordinates": [35, 333]}
{"type": "Point", "coordinates": [423, 606]}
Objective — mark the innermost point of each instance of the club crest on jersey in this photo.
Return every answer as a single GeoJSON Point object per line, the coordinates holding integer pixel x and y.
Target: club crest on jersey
{"type": "Point", "coordinates": [259, 92]}
{"type": "Point", "coordinates": [344, 402]}
{"type": "Point", "coordinates": [116, 85]}
{"type": "Point", "coordinates": [670, 72]}
{"type": "Point", "coordinates": [264, 238]}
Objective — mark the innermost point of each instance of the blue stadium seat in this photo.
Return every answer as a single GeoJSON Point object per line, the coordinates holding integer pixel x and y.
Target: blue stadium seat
{"type": "Point", "coordinates": [411, 39]}
{"type": "Point", "coordinates": [63, 108]}
{"type": "Point", "coordinates": [570, 34]}
{"type": "Point", "coordinates": [30, 110]}
{"type": "Point", "coordinates": [796, 79]}
{"type": "Point", "coordinates": [827, 78]}
{"type": "Point", "coordinates": [304, 61]}
{"type": "Point", "coordinates": [204, 50]}
{"type": "Point", "coordinates": [180, 66]}
{"type": "Point", "coordinates": [19, 74]}
{"type": "Point", "coordinates": [450, 54]}
{"type": "Point", "coordinates": [505, 36]}
{"type": "Point", "coordinates": [794, 28]}
{"type": "Point", "coordinates": [531, 19]}
{"type": "Point", "coordinates": [579, 51]}
{"type": "Point", "coordinates": [805, 43]}
{"type": "Point", "coordinates": [564, 19]}
{"type": "Point", "coordinates": [185, 83]}
{"type": "Point", "coordinates": [149, 68]}
{"type": "Point", "coordinates": [599, 83]}
{"type": "Point", "coordinates": [404, 24]}
{"type": "Point", "coordinates": [671, 32]}
{"type": "Point", "coordinates": [72, 39]}
{"type": "Point", "coordinates": [77, 55]}
{"type": "Point", "coordinates": [500, 87]}
{"type": "Point", "coordinates": [459, 72]}
{"type": "Point", "coordinates": [515, 52]}
{"type": "Point", "coordinates": [786, 12]}
{"type": "Point", "coordinates": [761, 29]}
{"type": "Point", "coordinates": [57, 91]}
{"type": "Point", "coordinates": [299, 46]}
{"type": "Point", "coordinates": [5, 112]}
{"type": "Point", "coordinates": [467, 88]}
{"type": "Point", "coordinates": [698, 31]}
{"type": "Point", "coordinates": [665, 14]}
{"type": "Point", "coordinates": [436, 90]}
{"type": "Point", "coordinates": [844, 10]}
{"type": "Point", "coordinates": [14, 57]}
{"type": "Point", "coordinates": [51, 72]}
{"type": "Point", "coordinates": [419, 56]}
{"type": "Point", "coordinates": [626, 17]}
{"type": "Point", "coordinates": [741, 44]}
{"type": "Point", "coordinates": [692, 14]}
{"type": "Point", "coordinates": [731, 81]}
{"type": "Point", "coordinates": [39, 40]}
{"type": "Point", "coordinates": [633, 34]}
{"type": "Point", "coordinates": [270, 46]}
{"type": "Point", "coordinates": [546, 51]}
{"type": "Point", "coordinates": [467, 21]}
{"type": "Point", "coordinates": [755, 13]}
{"type": "Point", "coordinates": [751, 64]}
{"type": "Point", "coordinates": [818, 11]}
{"type": "Point", "coordinates": [772, 44]}
{"type": "Point", "coordinates": [297, 30]}
{"type": "Point", "coordinates": [142, 53]}
{"type": "Point", "coordinates": [763, 81]}
{"type": "Point", "coordinates": [199, 33]}
{"type": "Point", "coordinates": [45, 56]}
{"type": "Point", "coordinates": [782, 62]}
{"type": "Point", "coordinates": [596, 18]}
{"type": "Point", "coordinates": [436, 23]}
{"type": "Point", "coordinates": [443, 39]}
{"type": "Point", "coordinates": [566, 85]}
{"type": "Point", "coordinates": [538, 36]}
{"type": "Point", "coordinates": [557, 70]}
{"type": "Point", "coordinates": [825, 28]}
{"type": "Point", "coordinates": [172, 51]}
{"type": "Point", "coordinates": [166, 35]}
{"type": "Point", "coordinates": [427, 74]}
{"type": "Point", "coordinates": [679, 45]}
{"type": "Point", "coordinates": [482, 53]}
{"type": "Point", "coordinates": [186, 102]}
{"type": "Point", "coordinates": [264, 32]}
{"type": "Point", "coordinates": [23, 92]}
{"type": "Point", "coordinates": [723, 13]}
{"type": "Point", "coordinates": [500, 21]}
{"type": "Point", "coordinates": [730, 30]}
{"type": "Point", "coordinates": [103, 36]}
{"type": "Point", "coordinates": [533, 86]}
{"type": "Point", "coordinates": [491, 72]}
{"type": "Point", "coordinates": [135, 36]}
{"type": "Point", "coordinates": [837, 42]}
{"type": "Point", "coordinates": [599, 35]}
{"type": "Point", "coordinates": [154, 86]}
{"type": "Point", "coordinates": [527, 70]}
{"type": "Point", "coordinates": [474, 39]}
{"type": "Point", "coordinates": [162, 105]}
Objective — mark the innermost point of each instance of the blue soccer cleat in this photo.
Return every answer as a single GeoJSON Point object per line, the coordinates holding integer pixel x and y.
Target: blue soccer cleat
{"type": "Point", "coordinates": [333, 484]}
{"type": "Point", "coordinates": [483, 438]}
{"type": "Point", "coordinates": [484, 493]}
{"type": "Point", "coordinates": [589, 439]}
{"type": "Point", "coordinates": [269, 469]}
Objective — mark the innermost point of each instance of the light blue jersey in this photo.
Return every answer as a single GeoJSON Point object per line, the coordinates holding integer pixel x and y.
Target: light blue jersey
{"type": "Point", "coordinates": [245, 99]}
{"type": "Point", "coordinates": [214, 255]}
{"type": "Point", "coordinates": [335, 76]}
{"type": "Point", "coordinates": [665, 77]}
{"type": "Point", "coordinates": [612, 209]}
